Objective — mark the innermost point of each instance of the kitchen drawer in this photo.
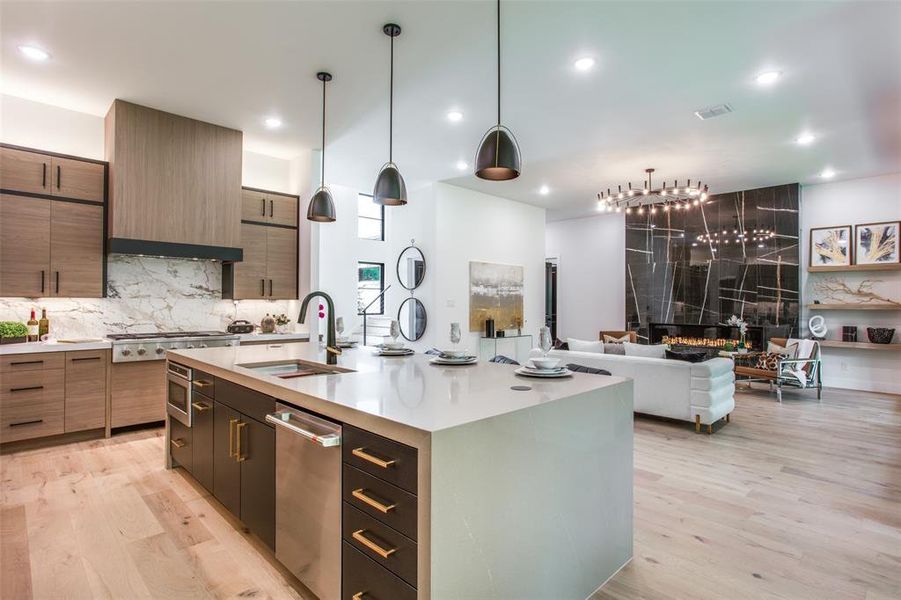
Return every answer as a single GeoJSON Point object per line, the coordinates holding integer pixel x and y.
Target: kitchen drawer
{"type": "Point", "coordinates": [387, 503]}
{"type": "Point", "coordinates": [180, 445]}
{"type": "Point", "coordinates": [384, 458]}
{"type": "Point", "coordinates": [204, 383]}
{"type": "Point", "coordinates": [252, 403]}
{"type": "Point", "coordinates": [377, 538]}
{"type": "Point", "coordinates": [32, 362]}
{"type": "Point", "coordinates": [32, 404]}
{"type": "Point", "coordinates": [362, 576]}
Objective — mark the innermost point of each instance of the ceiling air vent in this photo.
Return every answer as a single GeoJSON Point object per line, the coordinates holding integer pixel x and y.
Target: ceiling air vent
{"type": "Point", "coordinates": [713, 111]}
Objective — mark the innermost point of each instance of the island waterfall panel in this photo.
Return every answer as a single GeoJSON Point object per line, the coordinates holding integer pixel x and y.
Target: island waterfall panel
{"type": "Point", "coordinates": [701, 265]}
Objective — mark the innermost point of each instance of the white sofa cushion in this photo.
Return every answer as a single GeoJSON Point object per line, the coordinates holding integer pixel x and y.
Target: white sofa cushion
{"type": "Point", "coordinates": [585, 345]}
{"type": "Point", "coordinates": [655, 351]}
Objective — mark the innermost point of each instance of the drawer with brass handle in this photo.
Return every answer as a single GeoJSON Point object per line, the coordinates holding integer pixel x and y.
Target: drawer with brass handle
{"type": "Point", "coordinates": [204, 383]}
{"type": "Point", "coordinates": [377, 498]}
{"type": "Point", "coordinates": [180, 446]}
{"type": "Point", "coordinates": [364, 579]}
{"type": "Point", "coordinates": [386, 459]}
{"type": "Point", "coordinates": [389, 548]}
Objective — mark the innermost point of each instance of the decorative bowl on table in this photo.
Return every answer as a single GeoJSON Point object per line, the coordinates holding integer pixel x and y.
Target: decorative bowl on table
{"type": "Point", "coordinates": [880, 335]}
{"type": "Point", "coordinates": [454, 353]}
{"type": "Point", "coordinates": [545, 363]}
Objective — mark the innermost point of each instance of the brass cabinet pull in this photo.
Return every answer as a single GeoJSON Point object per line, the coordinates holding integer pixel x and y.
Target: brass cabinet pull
{"type": "Point", "coordinates": [231, 437]}
{"type": "Point", "coordinates": [200, 407]}
{"type": "Point", "coordinates": [238, 429]}
{"type": "Point", "coordinates": [201, 383]}
{"type": "Point", "coordinates": [178, 443]}
{"type": "Point", "coordinates": [379, 462]}
{"type": "Point", "coordinates": [360, 494]}
{"type": "Point", "coordinates": [358, 596]}
{"type": "Point", "coordinates": [358, 535]}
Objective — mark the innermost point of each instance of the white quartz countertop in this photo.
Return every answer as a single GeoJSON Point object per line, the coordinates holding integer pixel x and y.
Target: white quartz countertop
{"type": "Point", "coordinates": [274, 337]}
{"type": "Point", "coordinates": [408, 391]}
{"type": "Point", "coordinates": [33, 347]}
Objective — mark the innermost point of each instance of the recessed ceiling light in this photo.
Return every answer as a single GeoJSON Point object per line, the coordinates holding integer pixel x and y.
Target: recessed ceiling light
{"type": "Point", "coordinates": [273, 122]}
{"type": "Point", "coordinates": [34, 53]}
{"type": "Point", "coordinates": [805, 139]}
{"type": "Point", "coordinates": [462, 165]}
{"type": "Point", "coordinates": [827, 174]}
{"type": "Point", "coordinates": [768, 77]}
{"type": "Point", "coordinates": [544, 190]}
{"type": "Point", "coordinates": [584, 63]}
{"type": "Point", "coordinates": [454, 116]}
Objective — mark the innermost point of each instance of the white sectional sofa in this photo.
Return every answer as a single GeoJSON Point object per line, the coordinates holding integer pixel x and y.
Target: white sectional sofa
{"type": "Point", "coordinates": [702, 393]}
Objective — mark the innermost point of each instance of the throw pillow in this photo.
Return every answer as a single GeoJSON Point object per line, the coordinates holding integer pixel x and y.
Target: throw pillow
{"type": "Point", "coordinates": [585, 346]}
{"type": "Point", "coordinates": [609, 339]}
{"type": "Point", "coordinates": [644, 350]}
{"type": "Point", "coordinates": [560, 344]}
{"type": "Point", "coordinates": [692, 356]}
{"type": "Point", "coordinates": [617, 349]}
{"type": "Point", "coordinates": [590, 370]}
{"type": "Point", "coordinates": [790, 351]}
{"type": "Point", "coordinates": [769, 361]}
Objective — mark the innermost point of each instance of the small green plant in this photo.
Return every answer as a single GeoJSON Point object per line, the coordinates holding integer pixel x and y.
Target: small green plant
{"type": "Point", "coordinates": [282, 320]}
{"type": "Point", "coordinates": [728, 347]}
{"type": "Point", "coordinates": [12, 329]}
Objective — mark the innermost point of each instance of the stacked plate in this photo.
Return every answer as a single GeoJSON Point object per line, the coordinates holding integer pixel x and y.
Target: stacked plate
{"type": "Point", "coordinates": [392, 350]}
{"type": "Point", "coordinates": [454, 357]}
{"type": "Point", "coordinates": [545, 369]}
{"type": "Point", "coordinates": [346, 343]}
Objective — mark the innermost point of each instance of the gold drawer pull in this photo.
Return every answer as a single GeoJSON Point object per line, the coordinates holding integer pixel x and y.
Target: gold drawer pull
{"type": "Point", "coordinates": [200, 407]}
{"type": "Point", "coordinates": [231, 437]}
{"type": "Point", "coordinates": [360, 495]}
{"type": "Point", "coordinates": [202, 384]}
{"type": "Point", "coordinates": [358, 535]}
{"type": "Point", "coordinates": [178, 443]}
{"type": "Point", "coordinates": [358, 596]}
{"type": "Point", "coordinates": [379, 462]}
{"type": "Point", "coordinates": [238, 428]}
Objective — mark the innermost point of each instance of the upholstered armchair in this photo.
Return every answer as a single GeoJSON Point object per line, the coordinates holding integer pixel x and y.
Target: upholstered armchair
{"type": "Point", "coordinates": [802, 372]}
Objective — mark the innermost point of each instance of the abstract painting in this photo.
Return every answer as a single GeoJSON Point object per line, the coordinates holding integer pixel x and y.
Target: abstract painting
{"type": "Point", "coordinates": [495, 291]}
{"type": "Point", "coordinates": [877, 243]}
{"type": "Point", "coordinates": [830, 246]}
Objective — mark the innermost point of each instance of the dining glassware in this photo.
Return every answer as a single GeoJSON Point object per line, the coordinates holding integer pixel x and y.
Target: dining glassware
{"type": "Point", "coordinates": [455, 333]}
{"type": "Point", "coordinates": [395, 330]}
{"type": "Point", "coordinates": [544, 340]}
{"type": "Point", "coordinates": [339, 325]}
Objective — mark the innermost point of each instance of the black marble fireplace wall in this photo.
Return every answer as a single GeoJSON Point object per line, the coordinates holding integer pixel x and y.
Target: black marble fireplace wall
{"type": "Point", "coordinates": [675, 275]}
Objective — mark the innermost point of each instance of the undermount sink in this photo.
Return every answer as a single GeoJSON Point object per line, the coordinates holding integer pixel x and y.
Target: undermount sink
{"type": "Point", "coordinates": [289, 369]}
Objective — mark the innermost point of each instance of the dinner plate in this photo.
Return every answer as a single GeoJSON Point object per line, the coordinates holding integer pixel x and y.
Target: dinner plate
{"type": "Point", "coordinates": [469, 360]}
{"type": "Point", "coordinates": [527, 372]}
{"type": "Point", "coordinates": [398, 352]}
{"type": "Point", "coordinates": [347, 344]}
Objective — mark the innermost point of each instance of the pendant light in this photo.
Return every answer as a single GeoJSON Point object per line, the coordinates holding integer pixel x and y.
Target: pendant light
{"type": "Point", "coordinates": [322, 207]}
{"type": "Point", "coordinates": [390, 189]}
{"type": "Point", "coordinates": [498, 156]}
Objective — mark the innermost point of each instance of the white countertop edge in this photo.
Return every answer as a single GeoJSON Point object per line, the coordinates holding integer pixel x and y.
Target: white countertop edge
{"type": "Point", "coordinates": [273, 337]}
{"type": "Point", "coordinates": [35, 347]}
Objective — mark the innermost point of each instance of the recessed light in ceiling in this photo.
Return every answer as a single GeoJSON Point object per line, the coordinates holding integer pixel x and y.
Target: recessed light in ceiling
{"type": "Point", "coordinates": [34, 53]}
{"type": "Point", "coordinates": [584, 64]}
{"type": "Point", "coordinates": [805, 139]}
{"type": "Point", "coordinates": [768, 77]}
{"type": "Point", "coordinates": [827, 173]}
{"type": "Point", "coordinates": [462, 165]}
{"type": "Point", "coordinates": [454, 116]}
{"type": "Point", "coordinates": [273, 122]}
{"type": "Point", "coordinates": [544, 190]}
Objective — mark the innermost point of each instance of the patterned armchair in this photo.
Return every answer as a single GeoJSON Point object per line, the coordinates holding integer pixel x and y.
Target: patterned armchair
{"type": "Point", "coordinates": [802, 372]}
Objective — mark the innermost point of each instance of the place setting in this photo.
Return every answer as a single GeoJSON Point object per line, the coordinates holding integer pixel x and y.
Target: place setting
{"type": "Point", "coordinates": [393, 348]}
{"type": "Point", "coordinates": [544, 367]}
{"type": "Point", "coordinates": [454, 356]}
{"type": "Point", "coordinates": [343, 341]}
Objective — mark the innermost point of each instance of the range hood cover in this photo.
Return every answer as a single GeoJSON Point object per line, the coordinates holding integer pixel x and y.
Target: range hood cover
{"type": "Point", "coordinates": [174, 250]}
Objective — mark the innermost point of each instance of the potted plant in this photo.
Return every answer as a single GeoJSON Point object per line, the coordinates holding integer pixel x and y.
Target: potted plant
{"type": "Point", "coordinates": [281, 322]}
{"type": "Point", "coordinates": [742, 326]}
{"type": "Point", "coordinates": [12, 332]}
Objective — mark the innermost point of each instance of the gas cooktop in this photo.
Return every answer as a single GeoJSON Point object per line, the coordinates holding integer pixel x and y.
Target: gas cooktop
{"type": "Point", "coordinates": [165, 335]}
{"type": "Point", "coordinates": [132, 347]}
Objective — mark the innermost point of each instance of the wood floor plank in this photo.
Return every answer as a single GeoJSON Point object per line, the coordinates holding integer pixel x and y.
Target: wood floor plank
{"type": "Point", "coordinates": [15, 565]}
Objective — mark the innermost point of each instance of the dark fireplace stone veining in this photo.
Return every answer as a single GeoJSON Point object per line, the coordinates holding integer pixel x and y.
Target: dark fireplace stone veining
{"type": "Point", "coordinates": [672, 276]}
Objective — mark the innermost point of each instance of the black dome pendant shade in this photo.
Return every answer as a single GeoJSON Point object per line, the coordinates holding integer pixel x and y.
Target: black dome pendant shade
{"type": "Point", "coordinates": [322, 207]}
{"type": "Point", "coordinates": [390, 189]}
{"type": "Point", "coordinates": [498, 158]}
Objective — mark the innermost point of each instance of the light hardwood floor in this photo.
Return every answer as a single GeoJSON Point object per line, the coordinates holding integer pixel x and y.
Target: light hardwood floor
{"type": "Point", "coordinates": [798, 500]}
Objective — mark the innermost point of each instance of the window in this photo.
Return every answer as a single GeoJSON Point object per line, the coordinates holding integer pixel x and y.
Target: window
{"type": "Point", "coordinates": [370, 219]}
{"type": "Point", "coordinates": [370, 283]}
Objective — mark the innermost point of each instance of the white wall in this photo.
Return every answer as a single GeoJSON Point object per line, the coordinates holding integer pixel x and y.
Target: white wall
{"type": "Point", "coordinates": [35, 125]}
{"type": "Point", "coordinates": [868, 200]}
{"type": "Point", "coordinates": [591, 274]}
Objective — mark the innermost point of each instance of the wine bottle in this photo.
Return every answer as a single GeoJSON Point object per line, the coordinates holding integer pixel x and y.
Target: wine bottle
{"type": "Point", "coordinates": [33, 334]}
{"type": "Point", "coordinates": [43, 324]}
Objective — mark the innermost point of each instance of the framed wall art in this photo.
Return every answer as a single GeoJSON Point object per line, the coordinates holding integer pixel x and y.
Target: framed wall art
{"type": "Point", "coordinates": [830, 246]}
{"type": "Point", "coordinates": [877, 243]}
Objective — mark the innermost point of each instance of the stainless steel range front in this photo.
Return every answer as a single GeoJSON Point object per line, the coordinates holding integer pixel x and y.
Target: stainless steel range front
{"type": "Point", "coordinates": [134, 347]}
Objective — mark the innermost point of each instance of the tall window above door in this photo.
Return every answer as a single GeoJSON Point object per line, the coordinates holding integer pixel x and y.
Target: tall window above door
{"type": "Point", "coordinates": [370, 283]}
{"type": "Point", "coordinates": [370, 219]}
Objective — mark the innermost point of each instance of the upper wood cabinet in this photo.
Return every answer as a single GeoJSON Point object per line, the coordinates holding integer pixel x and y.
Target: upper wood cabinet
{"type": "Point", "coordinates": [50, 248]}
{"type": "Point", "coordinates": [269, 268]}
{"type": "Point", "coordinates": [37, 173]}
{"type": "Point", "coordinates": [77, 179]}
{"type": "Point", "coordinates": [172, 179]}
{"type": "Point", "coordinates": [268, 207]}
{"type": "Point", "coordinates": [250, 274]}
{"type": "Point", "coordinates": [24, 171]}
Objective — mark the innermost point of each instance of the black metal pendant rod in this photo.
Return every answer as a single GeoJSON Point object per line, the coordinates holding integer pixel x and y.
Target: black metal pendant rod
{"type": "Point", "coordinates": [391, 108]}
{"type": "Point", "coordinates": [322, 172]}
{"type": "Point", "coordinates": [498, 63]}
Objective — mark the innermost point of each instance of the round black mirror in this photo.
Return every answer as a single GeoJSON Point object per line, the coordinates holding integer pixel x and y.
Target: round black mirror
{"type": "Point", "coordinates": [412, 319]}
{"type": "Point", "coordinates": [410, 268]}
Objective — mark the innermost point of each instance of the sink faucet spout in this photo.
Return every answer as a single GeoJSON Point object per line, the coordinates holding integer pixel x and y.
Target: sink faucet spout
{"type": "Point", "coordinates": [331, 346]}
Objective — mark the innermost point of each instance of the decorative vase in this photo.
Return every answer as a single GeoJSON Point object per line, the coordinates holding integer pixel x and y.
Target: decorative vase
{"type": "Point", "coordinates": [880, 335]}
{"type": "Point", "coordinates": [267, 325]}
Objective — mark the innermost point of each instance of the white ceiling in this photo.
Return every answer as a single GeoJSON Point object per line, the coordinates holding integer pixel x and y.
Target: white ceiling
{"type": "Point", "coordinates": [235, 63]}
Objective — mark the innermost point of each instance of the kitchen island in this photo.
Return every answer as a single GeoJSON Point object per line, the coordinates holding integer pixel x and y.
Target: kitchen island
{"type": "Point", "coordinates": [516, 494]}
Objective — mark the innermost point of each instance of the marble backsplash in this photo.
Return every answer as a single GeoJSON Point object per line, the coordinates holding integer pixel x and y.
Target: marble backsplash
{"type": "Point", "coordinates": [147, 294]}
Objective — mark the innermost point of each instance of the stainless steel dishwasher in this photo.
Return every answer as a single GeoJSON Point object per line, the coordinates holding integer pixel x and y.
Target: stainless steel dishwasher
{"type": "Point", "coordinates": [308, 498]}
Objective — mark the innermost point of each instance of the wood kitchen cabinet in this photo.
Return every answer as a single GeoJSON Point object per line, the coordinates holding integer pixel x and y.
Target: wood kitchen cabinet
{"type": "Point", "coordinates": [269, 268]}
{"type": "Point", "coordinates": [203, 430]}
{"type": "Point", "coordinates": [85, 405]}
{"type": "Point", "coordinates": [137, 392]}
{"type": "Point", "coordinates": [24, 171]}
{"type": "Point", "coordinates": [226, 469]}
{"type": "Point", "coordinates": [32, 396]}
{"type": "Point", "coordinates": [281, 263]}
{"type": "Point", "coordinates": [34, 172]}
{"type": "Point", "coordinates": [273, 208]}
{"type": "Point", "coordinates": [76, 250]}
{"type": "Point", "coordinates": [24, 246]}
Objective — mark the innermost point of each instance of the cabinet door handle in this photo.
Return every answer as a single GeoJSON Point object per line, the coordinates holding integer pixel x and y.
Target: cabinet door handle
{"type": "Point", "coordinates": [59, 176]}
{"type": "Point", "coordinates": [178, 443]}
{"type": "Point", "coordinates": [270, 208]}
{"type": "Point", "coordinates": [200, 407]}
{"type": "Point", "coordinates": [358, 535]}
{"type": "Point", "coordinates": [85, 358]}
{"type": "Point", "coordinates": [270, 287]}
{"type": "Point", "coordinates": [262, 287]}
{"type": "Point", "coordinates": [42, 281]}
{"type": "Point", "coordinates": [262, 207]}
{"type": "Point", "coordinates": [57, 282]}
{"type": "Point", "coordinates": [361, 495]}
{"type": "Point", "coordinates": [201, 383]}
{"type": "Point", "coordinates": [231, 437]}
{"type": "Point", "coordinates": [358, 596]}
{"type": "Point", "coordinates": [238, 456]}
{"type": "Point", "coordinates": [44, 175]}
{"type": "Point", "coordinates": [379, 462]}
{"type": "Point", "coordinates": [32, 422]}
{"type": "Point", "coordinates": [26, 362]}
{"type": "Point", "coordinates": [26, 389]}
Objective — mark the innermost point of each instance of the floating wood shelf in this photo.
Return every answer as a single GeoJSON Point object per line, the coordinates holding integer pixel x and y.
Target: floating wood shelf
{"type": "Point", "coordinates": [836, 306]}
{"type": "Point", "coordinates": [852, 268]}
{"type": "Point", "coordinates": [859, 345]}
